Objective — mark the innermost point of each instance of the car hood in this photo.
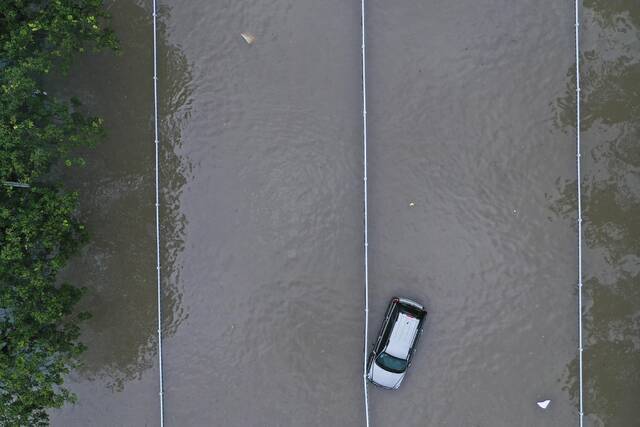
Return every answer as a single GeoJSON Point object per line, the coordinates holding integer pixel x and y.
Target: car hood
{"type": "Point", "coordinates": [383, 377]}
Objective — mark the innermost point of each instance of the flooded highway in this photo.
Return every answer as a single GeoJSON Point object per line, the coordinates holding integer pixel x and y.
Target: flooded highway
{"type": "Point", "coordinates": [471, 210]}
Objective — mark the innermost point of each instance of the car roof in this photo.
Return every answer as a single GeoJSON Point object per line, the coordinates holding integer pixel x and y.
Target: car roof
{"type": "Point", "coordinates": [402, 335]}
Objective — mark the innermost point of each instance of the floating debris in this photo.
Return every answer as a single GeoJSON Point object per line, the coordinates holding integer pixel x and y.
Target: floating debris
{"type": "Point", "coordinates": [543, 404]}
{"type": "Point", "coordinates": [248, 37]}
{"type": "Point", "coordinates": [412, 204]}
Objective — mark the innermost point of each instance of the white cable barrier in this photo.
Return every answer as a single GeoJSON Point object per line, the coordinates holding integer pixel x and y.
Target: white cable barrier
{"type": "Point", "coordinates": [157, 173]}
{"type": "Point", "coordinates": [579, 221]}
{"type": "Point", "coordinates": [366, 220]}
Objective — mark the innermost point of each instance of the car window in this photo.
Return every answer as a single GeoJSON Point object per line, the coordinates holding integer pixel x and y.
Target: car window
{"type": "Point", "coordinates": [412, 311]}
{"type": "Point", "coordinates": [389, 326]}
{"type": "Point", "coordinates": [391, 364]}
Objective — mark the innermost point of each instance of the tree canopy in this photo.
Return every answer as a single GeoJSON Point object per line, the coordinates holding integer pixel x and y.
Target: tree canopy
{"type": "Point", "coordinates": [39, 225]}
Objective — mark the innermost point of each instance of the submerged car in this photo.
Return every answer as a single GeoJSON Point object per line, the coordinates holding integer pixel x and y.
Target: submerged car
{"type": "Point", "coordinates": [391, 355]}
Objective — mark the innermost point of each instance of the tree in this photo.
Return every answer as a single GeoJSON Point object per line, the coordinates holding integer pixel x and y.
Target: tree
{"type": "Point", "coordinates": [38, 337]}
{"type": "Point", "coordinates": [39, 227]}
{"type": "Point", "coordinates": [39, 34]}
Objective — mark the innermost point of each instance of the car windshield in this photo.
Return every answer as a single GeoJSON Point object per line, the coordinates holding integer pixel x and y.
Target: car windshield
{"type": "Point", "coordinates": [392, 364]}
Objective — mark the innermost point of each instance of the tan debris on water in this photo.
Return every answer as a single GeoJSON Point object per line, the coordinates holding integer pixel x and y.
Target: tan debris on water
{"type": "Point", "coordinates": [248, 37]}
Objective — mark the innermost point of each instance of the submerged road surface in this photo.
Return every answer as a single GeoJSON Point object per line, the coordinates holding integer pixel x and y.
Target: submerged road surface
{"type": "Point", "coordinates": [472, 192]}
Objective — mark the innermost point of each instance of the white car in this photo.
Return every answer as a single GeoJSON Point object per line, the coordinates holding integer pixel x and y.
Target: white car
{"type": "Point", "coordinates": [391, 355]}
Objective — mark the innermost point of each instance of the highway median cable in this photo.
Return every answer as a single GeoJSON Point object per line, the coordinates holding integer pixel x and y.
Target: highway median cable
{"type": "Point", "coordinates": [366, 221]}
{"type": "Point", "coordinates": [579, 220]}
{"type": "Point", "coordinates": [157, 185]}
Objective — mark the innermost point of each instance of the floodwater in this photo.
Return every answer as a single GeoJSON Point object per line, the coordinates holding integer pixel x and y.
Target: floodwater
{"type": "Point", "coordinates": [472, 211]}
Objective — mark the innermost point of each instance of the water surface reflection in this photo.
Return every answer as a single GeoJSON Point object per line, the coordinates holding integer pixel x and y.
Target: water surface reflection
{"type": "Point", "coordinates": [117, 203]}
{"type": "Point", "coordinates": [611, 185]}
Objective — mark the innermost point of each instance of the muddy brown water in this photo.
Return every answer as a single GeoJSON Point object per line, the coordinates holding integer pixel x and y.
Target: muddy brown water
{"type": "Point", "coordinates": [472, 211]}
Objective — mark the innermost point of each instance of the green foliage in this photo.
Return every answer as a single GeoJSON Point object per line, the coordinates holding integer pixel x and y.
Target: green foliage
{"type": "Point", "coordinates": [39, 229]}
{"type": "Point", "coordinates": [37, 130]}
{"type": "Point", "coordinates": [38, 335]}
{"type": "Point", "coordinates": [40, 33]}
